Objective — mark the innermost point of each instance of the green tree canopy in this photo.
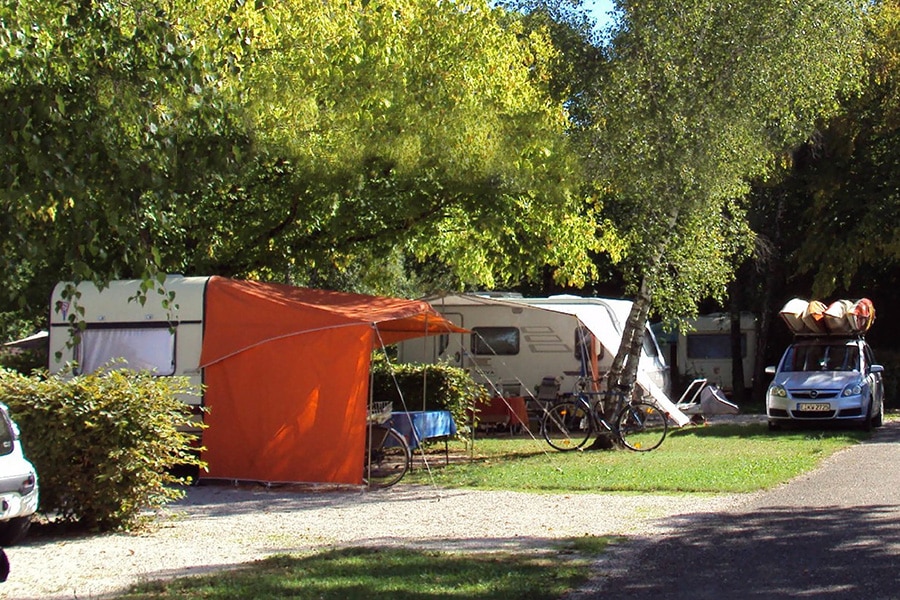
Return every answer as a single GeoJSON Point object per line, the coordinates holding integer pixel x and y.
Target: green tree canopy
{"type": "Point", "coordinates": [701, 97]}
{"type": "Point", "coordinates": [412, 125]}
{"type": "Point", "coordinates": [112, 118]}
{"type": "Point", "coordinates": [847, 183]}
{"type": "Point", "coordinates": [275, 139]}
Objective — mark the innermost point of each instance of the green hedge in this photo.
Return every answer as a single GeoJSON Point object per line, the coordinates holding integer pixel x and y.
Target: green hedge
{"type": "Point", "coordinates": [103, 444]}
{"type": "Point", "coordinates": [24, 361]}
{"type": "Point", "coordinates": [444, 388]}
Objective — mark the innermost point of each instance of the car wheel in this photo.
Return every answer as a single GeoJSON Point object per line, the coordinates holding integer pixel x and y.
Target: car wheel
{"type": "Point", "coordinates": [867, 423]}
{"type": "Point", "coordinates": [878, 417]}
{"type": "Point", "coordinates": [13, 531]}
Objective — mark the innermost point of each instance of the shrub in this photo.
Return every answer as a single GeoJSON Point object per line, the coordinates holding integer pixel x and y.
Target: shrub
{"type": "Point", "coordinates": [445, 388]}
{"type": "Point", "coordinates": [103, 444]}
{"type": "Point", "coordinates": [24, 361]}
{"type": "Point", "coordinates": [891, 377]}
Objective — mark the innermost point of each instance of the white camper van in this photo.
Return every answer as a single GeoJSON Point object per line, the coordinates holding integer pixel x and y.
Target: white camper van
{"type": "Point", "coordinates": [516, 343]}
{"type": "Point", "coordinates": [147, 336]}
{"type": "Point", "coordinates": [704, 351]}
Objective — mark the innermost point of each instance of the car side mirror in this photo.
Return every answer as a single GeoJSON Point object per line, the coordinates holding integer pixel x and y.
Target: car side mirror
{"type": "Point", "coordinates": [876, 369]}
{"type": "Point", "coordinates": [770, 370]}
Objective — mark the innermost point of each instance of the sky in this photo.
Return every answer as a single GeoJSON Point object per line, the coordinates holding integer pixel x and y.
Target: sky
{"type": "Point", "coordinates": [599, 9]}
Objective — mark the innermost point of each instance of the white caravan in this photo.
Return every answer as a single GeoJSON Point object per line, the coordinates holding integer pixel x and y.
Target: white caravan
{"type": "Point", "coordinates": [118, 326]}
{"type": "Point", "coordinates": [517, 344]}
{"type": "Point", "coordinates": [704, 351]}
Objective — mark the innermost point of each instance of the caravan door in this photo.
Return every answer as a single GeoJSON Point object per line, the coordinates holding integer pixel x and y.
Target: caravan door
{"type": "Point", "coordinates": [448, 346]}
{"type": "Point", "coordinates": [443, 348]}
{"type": "Point", "coordinates": [653, 363]}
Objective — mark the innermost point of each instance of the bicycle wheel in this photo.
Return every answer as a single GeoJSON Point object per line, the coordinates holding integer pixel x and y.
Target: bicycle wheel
{"type": "Point", "coordinates": [641, 426]}
{"type": "Point", "coordinates": [567, 426]}
{"type": "Point", "coordinates": [389, 457]}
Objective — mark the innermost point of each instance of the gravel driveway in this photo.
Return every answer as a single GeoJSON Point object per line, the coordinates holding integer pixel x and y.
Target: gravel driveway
{"type": "Point", "coordinates": [224, 527]}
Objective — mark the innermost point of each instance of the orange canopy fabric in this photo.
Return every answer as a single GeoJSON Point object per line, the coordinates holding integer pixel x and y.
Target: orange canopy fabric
{"type": "Point", "coordinates": [249, 313]}
{"type": "Point", "coordinates": [286, 371]}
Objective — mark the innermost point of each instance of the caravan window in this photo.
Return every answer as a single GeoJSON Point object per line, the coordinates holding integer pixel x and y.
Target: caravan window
{"type": "Point", "coordinates": [150, 348]}
{"type": "Point", "coordinates": [443, 343]}
{"type": "Point", "coordinates": [713, 345]}
{"type": "Point", "coordinates": [495, 340]}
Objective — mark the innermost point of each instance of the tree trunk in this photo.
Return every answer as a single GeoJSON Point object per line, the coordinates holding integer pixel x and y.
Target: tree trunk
{"type": "Point", "coordinates": [772, 270]}
{"type": "Point", "coordinates": [738, 392]}
{"type": "Point", "coordinates": [623, 372]}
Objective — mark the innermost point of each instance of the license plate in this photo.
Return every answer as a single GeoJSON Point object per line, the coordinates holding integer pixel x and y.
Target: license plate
{"type": "Point", "coordinates": [817, 407]}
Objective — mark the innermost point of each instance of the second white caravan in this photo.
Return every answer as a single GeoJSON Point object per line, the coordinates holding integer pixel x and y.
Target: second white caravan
{"type": "Point", "coordinates": [517, 344]}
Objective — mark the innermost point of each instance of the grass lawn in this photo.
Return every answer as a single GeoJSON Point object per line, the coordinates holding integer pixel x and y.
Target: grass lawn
{"type": "Point", "coordinates": [372, 574]}
{"type": "Point", "coordinates": [696, 459]}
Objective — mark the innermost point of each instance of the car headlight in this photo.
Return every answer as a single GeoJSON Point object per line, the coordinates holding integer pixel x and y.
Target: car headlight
{"type": "Point", "coordinates": [778, 391]}
{"type": "Point", "coordinates": [854, 389]}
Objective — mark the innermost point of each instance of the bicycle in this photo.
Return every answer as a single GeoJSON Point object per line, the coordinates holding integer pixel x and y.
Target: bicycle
{"type": "Point", "coordinates": [388, 456]}
{"type": "Point", "coordinates": [636, 424]}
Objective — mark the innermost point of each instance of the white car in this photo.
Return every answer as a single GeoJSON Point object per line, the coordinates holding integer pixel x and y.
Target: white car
{"type": "Point", "coordinates": [826, 379]}
{"type": "Point", "coordinates": [18, 483]}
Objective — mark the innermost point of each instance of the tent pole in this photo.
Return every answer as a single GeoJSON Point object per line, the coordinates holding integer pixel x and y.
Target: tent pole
{"type": "Point", "coordinates": [424, 368]}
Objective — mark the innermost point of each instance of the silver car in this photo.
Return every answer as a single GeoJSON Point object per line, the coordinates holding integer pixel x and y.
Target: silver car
{"type": "Point", "coordinates": [826, 379]}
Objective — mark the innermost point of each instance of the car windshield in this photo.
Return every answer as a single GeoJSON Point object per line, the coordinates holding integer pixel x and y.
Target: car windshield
{"type": "Point", "coordinates": [822, 357]}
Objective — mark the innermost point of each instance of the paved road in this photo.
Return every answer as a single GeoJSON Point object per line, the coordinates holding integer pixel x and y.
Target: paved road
{"type": "Point", "coordinates": [832, 534]}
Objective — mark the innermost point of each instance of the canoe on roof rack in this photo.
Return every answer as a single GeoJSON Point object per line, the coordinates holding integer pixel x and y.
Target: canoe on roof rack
{"type": "Point", "coordinates": [841, 317]}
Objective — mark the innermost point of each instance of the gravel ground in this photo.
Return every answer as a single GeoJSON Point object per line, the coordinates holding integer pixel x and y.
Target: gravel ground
{"type": "Point", "coordinates": [224, 527]}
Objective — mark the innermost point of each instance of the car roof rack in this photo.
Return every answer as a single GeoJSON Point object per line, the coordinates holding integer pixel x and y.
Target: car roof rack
{"type": "Point", "coordinates": [830, 336]}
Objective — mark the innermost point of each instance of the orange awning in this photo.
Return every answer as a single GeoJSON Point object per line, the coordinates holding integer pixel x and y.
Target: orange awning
{"type": "Point", "coordinates": [286, 371]}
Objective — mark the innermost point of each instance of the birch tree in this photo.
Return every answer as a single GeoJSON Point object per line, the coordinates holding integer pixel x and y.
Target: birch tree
{"type": "Point", "coordinates": [700, 98]}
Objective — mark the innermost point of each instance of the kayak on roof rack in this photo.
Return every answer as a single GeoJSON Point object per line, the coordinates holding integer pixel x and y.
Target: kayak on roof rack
{"type": "Point", "coordinates": [841, 317]}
